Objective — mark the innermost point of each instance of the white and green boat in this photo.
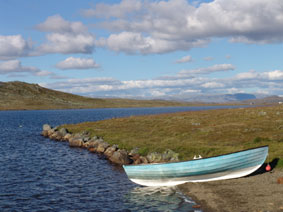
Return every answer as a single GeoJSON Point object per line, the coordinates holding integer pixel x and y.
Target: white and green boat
{"type": "Point", "coordinates": [228, 166]}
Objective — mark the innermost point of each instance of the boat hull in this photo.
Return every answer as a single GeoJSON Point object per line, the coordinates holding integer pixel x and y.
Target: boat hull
{"type": "Point", "coordinates": [233, 165]}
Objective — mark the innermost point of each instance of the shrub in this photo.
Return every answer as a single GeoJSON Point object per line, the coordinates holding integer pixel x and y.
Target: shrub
{"type": "Point", "coordinates": [260, 139]}
{"type": "Point", "coordinates": [257, 140]}
{"type": "Point", "coordinates": [143, 151]}
{"type": "Point", "coordinates": [280, 163]}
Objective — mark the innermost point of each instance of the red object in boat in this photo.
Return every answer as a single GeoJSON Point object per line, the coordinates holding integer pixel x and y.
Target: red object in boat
{"type": "Point", "coordinates": [268, 168]}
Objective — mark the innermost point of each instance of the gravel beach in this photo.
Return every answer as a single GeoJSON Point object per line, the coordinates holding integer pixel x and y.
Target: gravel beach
{"type": "Point", "coordinates": [259, 192]}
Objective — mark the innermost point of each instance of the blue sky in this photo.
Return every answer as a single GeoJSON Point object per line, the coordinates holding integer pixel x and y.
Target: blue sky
{"type": "Point", "coordinates": [144, 48]}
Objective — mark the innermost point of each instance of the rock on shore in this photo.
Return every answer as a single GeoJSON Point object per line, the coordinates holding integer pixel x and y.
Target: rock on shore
{"type": "Point", "coordinates": [98, 145]}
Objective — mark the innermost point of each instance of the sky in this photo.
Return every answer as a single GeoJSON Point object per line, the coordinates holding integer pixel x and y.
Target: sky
{"type": "Point", "coordinates": [144, 48]}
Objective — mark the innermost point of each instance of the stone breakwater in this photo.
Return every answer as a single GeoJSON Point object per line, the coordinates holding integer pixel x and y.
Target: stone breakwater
{"type": "Point", "coordinates": [96, 144]}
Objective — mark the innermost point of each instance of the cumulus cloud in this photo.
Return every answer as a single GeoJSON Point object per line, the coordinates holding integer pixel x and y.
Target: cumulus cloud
{"type": "Point", "coordinates": [132, 43]}
{"type": "Point", "coordinates": [12, 67]}
{"type": "Point", "coordinates": [59, 25]}
{"type": "Point", "coordinates": [116, 10]}
{"type": "Point", "coordinates": [165, 26]}
{"type": "Point", "coordinates": [247, 75]}
{"type": "Point", "coordinates": [13, 46]}
{"type": "Point", "coordinates": [274, 75]}
{"type": "Point", "coordinates": [67, 44]}
{"type": "Point", "coordinates": [77, 63]}
{"type": "Point", "coordinates": [15, 66]}
{"type": "Point", "coordinates": [185, 59]}
{"type": "Point", "coordinates": [65, 37]}
{"type": "Point", "coordinates": [62, 37]}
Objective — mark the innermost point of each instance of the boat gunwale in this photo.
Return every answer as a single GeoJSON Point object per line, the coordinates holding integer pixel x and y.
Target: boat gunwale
{"type": "Point", "coordinates": [146, 164]}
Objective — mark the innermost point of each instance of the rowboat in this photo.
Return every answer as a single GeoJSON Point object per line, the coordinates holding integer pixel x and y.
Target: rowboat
{"type": "Point", "coordinates": [228, 166]}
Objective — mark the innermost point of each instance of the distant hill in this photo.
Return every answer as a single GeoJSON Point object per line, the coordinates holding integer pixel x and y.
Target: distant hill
{"type": "Point", "coordinates": [264, 101]}
{"type": "Point", "coordinates": [213, 98]}
{"type": "Point", "coordinates": [239, 97]}
{"type": "Point", "coordinates": [24, 96]}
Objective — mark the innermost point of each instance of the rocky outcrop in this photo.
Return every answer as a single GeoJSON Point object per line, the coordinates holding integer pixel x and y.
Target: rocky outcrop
{"type": "Point", "coordinates": [170, 156]}
{"type": "Point", "coordinates": [120, 157]}
{"type": "Point", "coordinates": [98, 145]}
{"type": "Point", "coordinates": [45, 130]}
{"type": "Point", "coordinates": [154, 157]}
{"type": "Point", "coordinates": [76, 142]}
{"type": "Point", "coordinates": [63, 132]}
{"type": "Point", "coordinates": [46, 127]}
{"type": "Point", "coordinates": [167, 156]}
{"type": "Point", "coordinates": [110, 151]}
{"type": "Point", "coordinates": [102, 146]}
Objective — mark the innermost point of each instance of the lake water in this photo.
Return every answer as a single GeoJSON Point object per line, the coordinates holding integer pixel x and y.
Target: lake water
{"type": "Point", "coordinates": [37, 174]}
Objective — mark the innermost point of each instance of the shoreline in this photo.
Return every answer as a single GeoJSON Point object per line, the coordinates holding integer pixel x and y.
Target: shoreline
{"type": "Point", "coordinates": [113, 153]}
{"type": "Point", "coordinates": [133, 106]}
{"type": "Point", "coordinates": [257, 192]}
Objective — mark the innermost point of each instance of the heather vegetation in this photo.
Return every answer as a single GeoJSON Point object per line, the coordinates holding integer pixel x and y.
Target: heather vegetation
{"type": "Point", "coordinates": [206, 133]}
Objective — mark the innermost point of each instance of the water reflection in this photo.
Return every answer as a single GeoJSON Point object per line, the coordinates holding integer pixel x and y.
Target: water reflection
{"type": "Point", "coordinates": [158, 199]}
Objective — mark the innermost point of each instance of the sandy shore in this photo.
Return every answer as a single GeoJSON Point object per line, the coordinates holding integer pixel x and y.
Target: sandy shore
{"type": "Point", "coordinates": [260, 192]}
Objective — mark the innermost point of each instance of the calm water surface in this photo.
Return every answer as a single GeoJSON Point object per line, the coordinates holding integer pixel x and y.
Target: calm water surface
{"type": "Point", "coordinates": [37, 174]}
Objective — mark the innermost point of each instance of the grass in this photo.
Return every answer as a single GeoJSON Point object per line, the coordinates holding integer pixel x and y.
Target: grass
{"type": "Point", "coordinates": [207, 133]}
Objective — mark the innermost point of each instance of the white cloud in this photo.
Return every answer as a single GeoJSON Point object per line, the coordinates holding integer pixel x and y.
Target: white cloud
{"type": "Point", "coordinates": [67, 44]}
{"type": "Point", "coordinates": [128, 42]}
{"type": "Point", "coordinates": [191, 83]}
{"type": "Point", "coordinates": [116, 10]}
{"type": "Point", "coordinates": [13, 46]}
{"type": "Point", "coordinates": [57, 24]}
{"type": "Point", "coordinates": [132, 42]}
{"type": "Point", "coordinates": [15, 67]}
{"type": "Point", "coordinates": [77, 63]}
{"type": "Point", "coordinates": [65, 37]}
{"type": "Point", "coordinates": [208, 70]}
{"type": "Point", "coordinates": [268, 75]}
{"type": "Point", "coordinates": [165, 26]}
{"type": "Point", "coordinates": [247, 75]}
{"type": "Point", "coordinates": [43, 73]}
{"type": "Point", "coordinates": [185, 59]}
{"type": "Point", "coordinates": [189, 91]}
{"type": "Point", "coordinates": [274, 75]}
{"type": "Point", "coordinates": [213, 85]}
